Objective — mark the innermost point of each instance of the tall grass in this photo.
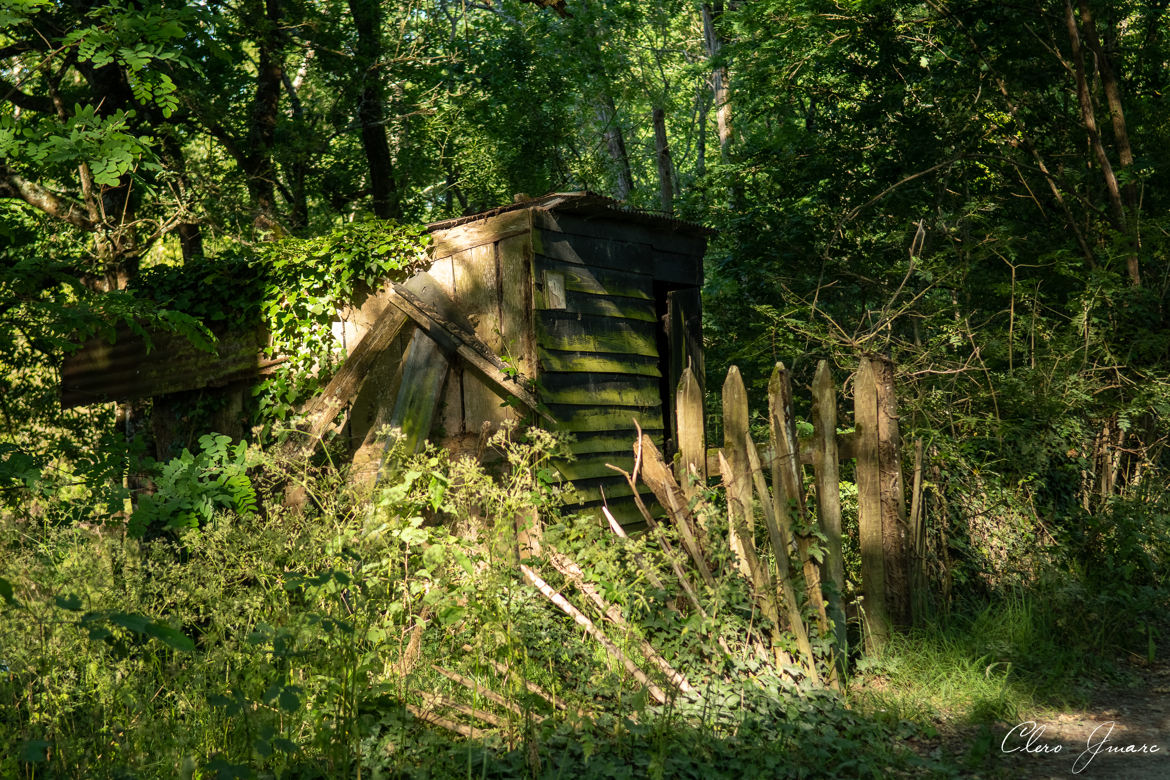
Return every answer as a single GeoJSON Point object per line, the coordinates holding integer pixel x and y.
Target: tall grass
{"type": "Point", "coordinates": [267, 643]}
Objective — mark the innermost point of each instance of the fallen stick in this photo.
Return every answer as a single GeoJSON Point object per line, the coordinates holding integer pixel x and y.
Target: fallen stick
{"type": "Point", "coordinates": [573, 573]}
{"type": "Point", "coordinates": [439, 700]}
{"type": "Point", "coordinates": [532, 687]}
{"type": "Point", "coordinates": [479, 690]}
{"type": "Point", "coordinates": [438, 720]}
{"type": "Point", "coordinates": [582, 620]}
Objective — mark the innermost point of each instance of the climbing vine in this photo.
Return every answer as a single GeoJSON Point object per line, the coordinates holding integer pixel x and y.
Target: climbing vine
{"type": "Point", "coordinates": [293, 289]}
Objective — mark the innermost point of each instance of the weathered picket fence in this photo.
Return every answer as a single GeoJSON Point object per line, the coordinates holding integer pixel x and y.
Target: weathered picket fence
{"type": "Point", "coordinates": [886, 535]}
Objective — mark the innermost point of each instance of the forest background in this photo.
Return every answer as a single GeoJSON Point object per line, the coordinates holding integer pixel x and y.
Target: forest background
{"type": "Point", "coordinates": [976, 190]}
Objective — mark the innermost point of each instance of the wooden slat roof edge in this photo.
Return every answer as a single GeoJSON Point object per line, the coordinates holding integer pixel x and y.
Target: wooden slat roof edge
{"type": "Point", "coordinates": [585, 202]}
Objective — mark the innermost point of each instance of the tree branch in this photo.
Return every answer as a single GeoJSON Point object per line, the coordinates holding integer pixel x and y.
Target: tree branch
{"type": "Point", "coordinates": [53, 204]}
{"type": "Point", "coordinates": [25, 101]}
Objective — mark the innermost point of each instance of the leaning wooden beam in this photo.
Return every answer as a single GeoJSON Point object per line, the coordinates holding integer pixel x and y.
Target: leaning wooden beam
{"type": "Point", "coordinates": [345, 384]}
{"type": "Point", "coordinates": [657, 476]}
{"type": "Point", "coordinates": [738, 480]}
{"type": "Point", "coordinates": [573, 574]}
{"type": "Point", "coordinates": [457, 338]}
{"type": "Point", "coordinates": [691, 434]}
{"type": "Point", "coordinates": [582, 620]}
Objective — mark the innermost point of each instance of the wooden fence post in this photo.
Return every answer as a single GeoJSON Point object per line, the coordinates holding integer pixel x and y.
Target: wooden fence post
{"type": "Point", "coordinates": [788, 484]}
{"type": "Point", "coordinates": [895, 539]}
{"type": "Point", "coordinates": [690, 434]}
{"type": "Point", "coordinates": [828, 481]}
{"type": "Point", "coordinates": [739, 481]}
{"type": "Point", "coordinates": [869, 508]}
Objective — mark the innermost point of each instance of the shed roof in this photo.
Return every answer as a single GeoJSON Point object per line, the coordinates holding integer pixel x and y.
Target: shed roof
{"type": "Point", "coordinates": [586, 204]}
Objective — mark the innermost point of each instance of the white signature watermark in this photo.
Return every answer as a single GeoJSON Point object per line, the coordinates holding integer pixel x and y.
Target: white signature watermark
{"type": "Point", "coordinates": [1028, 737]}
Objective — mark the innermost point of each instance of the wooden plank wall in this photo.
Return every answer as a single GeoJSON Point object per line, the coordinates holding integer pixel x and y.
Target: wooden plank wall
{"type": "Point", "coordinates": [598, 340]}
{"type": "Point", "coordinates": [487, 272]}
{"type": "Point", "coordinates": [485, 267]}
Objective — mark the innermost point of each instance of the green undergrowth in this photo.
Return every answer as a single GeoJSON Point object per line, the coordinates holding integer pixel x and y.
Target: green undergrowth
{"type": "Point", "coordinates": [356, 637]}
{"type": "Point", "coordinates": [1017, 657]}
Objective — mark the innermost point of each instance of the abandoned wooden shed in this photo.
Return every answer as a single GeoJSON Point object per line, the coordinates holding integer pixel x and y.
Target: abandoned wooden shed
{"type": "Point", "coordinates": [571, 303]}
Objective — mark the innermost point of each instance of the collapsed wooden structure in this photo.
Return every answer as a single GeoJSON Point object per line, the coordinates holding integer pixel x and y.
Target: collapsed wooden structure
{"type": "Point", "coordinates": [571, 308]}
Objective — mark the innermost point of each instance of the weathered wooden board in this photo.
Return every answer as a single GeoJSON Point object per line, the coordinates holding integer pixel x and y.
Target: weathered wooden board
{"type": "Point", "coordinates": [608, 227]}
{"type": "Point", "coordinates": [599, 281]}
{"type": "Point", "coordinates": [690, 434]}
{"type": "Point", "coordinates": [600, 305]}
{"type": "Point", "coordinates": [346, 383]}
{"type": "Point", "coordinates": [442, 271]}
{"type": "Point", "coordinates": [607, 442]}
{"type": "Point", "coordinates": [423, 374]}
{"type": "Point", "coordinates": [126, 370]}
{"type": "Point", "coordinates": [603, 363]}
{"type": "Point", "coordinates": [571, 332]}
{"type": "Point", "coordinates": [589, 491]}
{"type": "Point", "coordinates": [580, 419]}
{"type": "Point", "coordinates": [371, 408]}
{"type": "Point", "coordinates": [457, 337]}
{"type": "Point", "coordinates": [597, 252]}
{"type": "Point", "coordinates": [484, 231]}
{"type": "Point", "coordinates": [590, 389]}
{"type": "Point", "coordinates": [478, 290]}
{"type": "Point", "coordinates": [514, 259]}
{"type": "Point", "coordinates": [597, 466]}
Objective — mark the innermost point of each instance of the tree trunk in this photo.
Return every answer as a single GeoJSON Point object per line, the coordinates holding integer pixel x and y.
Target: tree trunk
{"type": "Point", "coordinates": [257, 161]}
{"type": "Point", "coordinates": [1112, 91]}
{"type": "Point", "coordinates": [720, 78]}
{"type": "Point", "coordinates": [1113, 190]}
{"type": "Point", "coordinates": [662, 155]}
{"type": "Point", "coordinates": [367, 20]}
{"type": "Point", "coordinates": [615, 143]}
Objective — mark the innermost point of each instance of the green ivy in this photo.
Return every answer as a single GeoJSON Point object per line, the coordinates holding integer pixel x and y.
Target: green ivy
{"type": "Point", "coordinates": [293, 288]}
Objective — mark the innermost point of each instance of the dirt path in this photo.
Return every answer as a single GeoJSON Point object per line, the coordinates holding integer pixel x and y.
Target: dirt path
{"type": "Point", "coordinates": [1123, 734]}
